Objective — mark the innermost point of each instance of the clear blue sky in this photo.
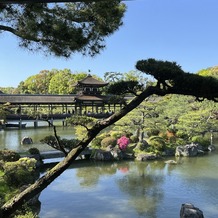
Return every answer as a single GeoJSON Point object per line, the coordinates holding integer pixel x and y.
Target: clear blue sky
{"type": "Point", "coordinates": [185, 31]}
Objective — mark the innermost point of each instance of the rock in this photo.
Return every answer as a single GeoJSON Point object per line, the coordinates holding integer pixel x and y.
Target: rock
{"type": "Point", "coordinates": [128, 156]}
{"type": "Point", "coordinates": [179, 151]}
{"type": "Point", "coordinates": [170, 162]}
{"type": "Point", "coordinates": [190, 211]}
{"type": "Point", "coordinates": [109, 147]}
{"type": "Point", "coordinates": [211, 148]}
{"type": "Point", "coordinates": [201, 152]}
{"type": "Point", "coordinates": [102, 155]}
{"type": "Point", "coordinates": [168, 152]}
{"type": "Point", "coordinates": [111, 153]}
{"type": "Point", "coordinates": [116, 153]}
{"type": "Point", "coordinates": [26, 141]}
{"type": "Point", "coordinates": [190, 150]}
{"type": "Point", "coordinates": [145, 157]}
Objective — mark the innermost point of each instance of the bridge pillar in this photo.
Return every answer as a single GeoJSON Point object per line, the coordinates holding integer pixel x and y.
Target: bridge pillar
{"type": "Point", "coordinates": [64, 122]}
{"type": "Point", "coordinates": [36, 123]}
{"type": "Point", "coordinates": [51, 122]}
{"type": "Point", "coordinates": [20, 124]}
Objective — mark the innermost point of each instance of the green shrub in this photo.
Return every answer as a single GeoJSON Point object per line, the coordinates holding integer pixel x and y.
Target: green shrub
{"type": "Point", "coordinates": [2, 163]}
{"type": "Point", "coordinates": [205, 142]}
{"type": "Point", "coordinates": [140, 146]}
{"type": "Point", "coordinates": [9, 155]}
{"type": "Point", "coordinates": [34, 151]}
{"type": "Point", "coordinates": [131, 147]}
{"type": "Point", "coordinates": [157, 143]}
{"type": "Point", "coordinates": [108, 141]}
{"type": "Point", "coordinates": [28, 210]}
{"type": "Point", "coordinates": [171, 146]}
{"type": "Point", "coordinates": [116, 134]}
{"type": "Point", "coordinates": [152, 132]}
{"type": "Point", "coordinates": [66, 143]}
{"type": "Point", "coordinates": [80, 132]}
{"type": "Point", "coordinates": [6, 191]}
{"type": "Point", "coordinates": [181, 134]}
{"type": "Point", "coordinates": [21, 172]}
{"type": "Point", "coordinates": [69, 143]}
{"type": "Point", "coordinates": [172, 139]}
{"type": "Point", "coordinates": [127, 134]}
{"type": "Point", "coordinates": [134, 139]}
{"type": "Point", "coordinates": [96, 142]}
{"type": "Point", "coordinates": [27, 215]}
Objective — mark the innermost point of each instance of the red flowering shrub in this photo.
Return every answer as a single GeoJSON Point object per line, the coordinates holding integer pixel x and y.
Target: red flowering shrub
{"type": "Point", "coordinates": [123, 142]}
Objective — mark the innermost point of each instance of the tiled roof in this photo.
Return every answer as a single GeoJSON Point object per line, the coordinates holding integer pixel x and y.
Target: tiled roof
{"type": "Point", "coordinates": [89, 80]}
{"type": "Point", "coordinates": [91, 98]}
{"type": "Point", "coordinates": [37, 99]}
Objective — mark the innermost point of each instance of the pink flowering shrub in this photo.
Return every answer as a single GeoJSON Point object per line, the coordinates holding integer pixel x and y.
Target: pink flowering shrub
{"type": "Point", "coordinates": [123, 142]}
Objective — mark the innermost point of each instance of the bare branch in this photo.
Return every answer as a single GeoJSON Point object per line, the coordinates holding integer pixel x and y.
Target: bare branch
{"type": "Point", "coordinates": [61, 148]}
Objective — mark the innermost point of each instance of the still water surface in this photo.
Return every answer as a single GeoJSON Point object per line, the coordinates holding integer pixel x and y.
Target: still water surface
{"type": "Point", "coordinates": [125, 189]}
{"type": "Point", "coordinates": [11, 138]}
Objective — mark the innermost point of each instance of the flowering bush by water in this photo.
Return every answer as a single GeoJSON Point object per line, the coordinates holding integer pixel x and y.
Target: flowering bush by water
{"type": "Point", "coordinates": [123, 142]}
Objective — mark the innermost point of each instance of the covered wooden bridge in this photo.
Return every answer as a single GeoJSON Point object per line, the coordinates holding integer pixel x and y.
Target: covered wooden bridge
{"type": "Point", "coordinates": [88, 101]}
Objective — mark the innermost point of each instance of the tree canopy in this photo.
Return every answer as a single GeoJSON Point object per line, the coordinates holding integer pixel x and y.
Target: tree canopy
{"type": "Point", "coordinates": [211, 71]}
{"type": "Point", "coordinates": [174, 79]}
{"type": "Point", "coordinates": [62, 29]}
{"type": "Point", "coordinates": [51, 82]}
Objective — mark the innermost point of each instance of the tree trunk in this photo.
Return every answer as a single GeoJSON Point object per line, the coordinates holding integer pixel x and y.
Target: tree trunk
{"type": "Point", "coordinates": [10, 207]}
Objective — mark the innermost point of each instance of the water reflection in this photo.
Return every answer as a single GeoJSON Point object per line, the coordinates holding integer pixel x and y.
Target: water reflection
{"type": "Point", "coordinates": [143, 185]}
{"type": "Point", "coordinates": [133, 189]}
{"type": "Point", "coordinates": [119, 189]}
{"type": "Point", "coordinates": [89, 176]}
{"type": "Point", "coordinates": [11, 138]}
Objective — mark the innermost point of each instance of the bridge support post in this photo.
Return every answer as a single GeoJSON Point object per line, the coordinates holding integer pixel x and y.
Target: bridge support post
{"type": "Point", "coordinates": [64, 122]}
{"type": "Point", "coordinates": [35, 123]}
{"type": "Point", "coordinates": [51, 122]}
{"type": "Point", "coordinates": [20, 124]}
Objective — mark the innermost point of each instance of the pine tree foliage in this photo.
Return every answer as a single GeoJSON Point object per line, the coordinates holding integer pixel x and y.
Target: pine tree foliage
{"type": "Point", "coordinates": [62, 29]}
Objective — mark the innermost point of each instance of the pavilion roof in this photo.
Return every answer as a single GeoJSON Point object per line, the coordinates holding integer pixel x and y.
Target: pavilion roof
{"type": "Point", "coordinates": [90, 81]}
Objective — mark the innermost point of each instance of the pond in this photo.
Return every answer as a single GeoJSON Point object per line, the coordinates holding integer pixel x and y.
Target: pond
{"type": "Point", "coordinates": [133, 189]}
{"type": "Point", "coordinates": [125, 189]}
{"type": "Point", "coordinates": [11, 138]}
